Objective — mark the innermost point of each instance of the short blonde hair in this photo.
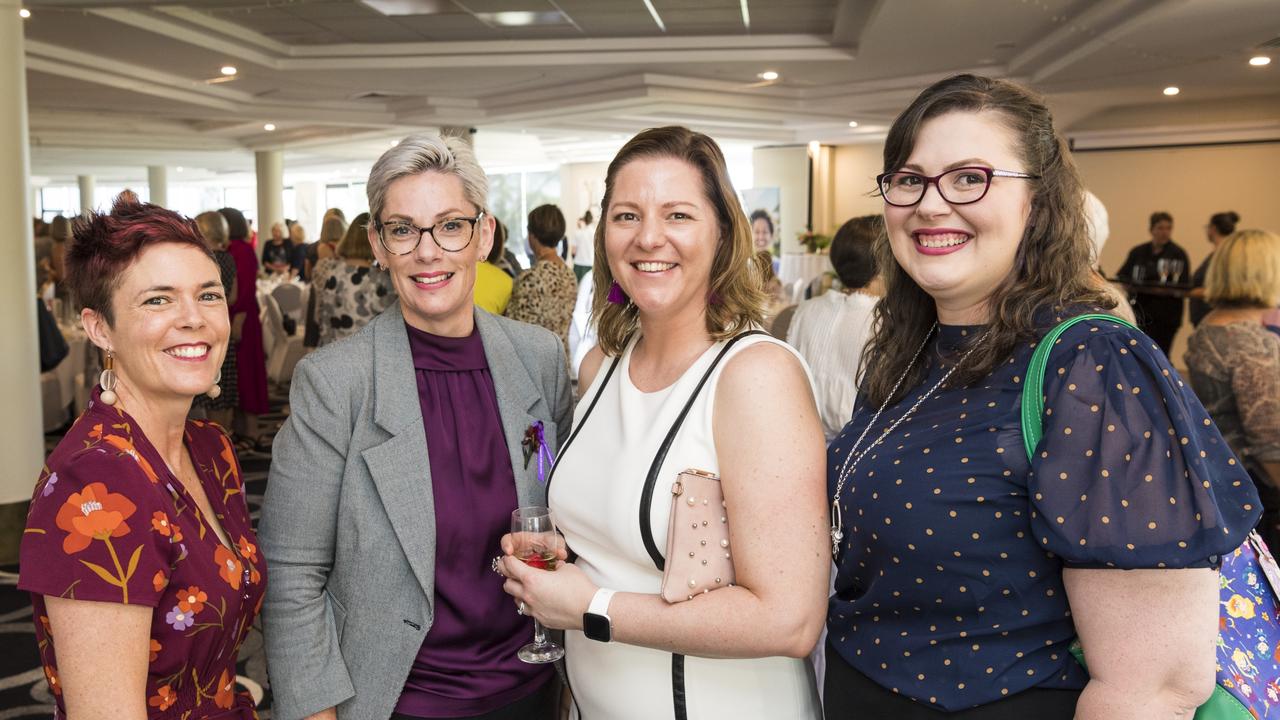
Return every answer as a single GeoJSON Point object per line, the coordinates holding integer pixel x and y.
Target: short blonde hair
{"type": "Point", "coordinates": [1245, 271]}
{"type": "Point", "coordinates": [738, 298]}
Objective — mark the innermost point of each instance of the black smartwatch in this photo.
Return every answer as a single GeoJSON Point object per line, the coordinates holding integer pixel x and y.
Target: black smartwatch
{"type": "Point", "coordinates": [596, 624]}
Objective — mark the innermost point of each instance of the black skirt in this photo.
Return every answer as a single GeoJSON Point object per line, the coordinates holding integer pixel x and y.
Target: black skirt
{"type": "Point", "coordinates": [850, 695]}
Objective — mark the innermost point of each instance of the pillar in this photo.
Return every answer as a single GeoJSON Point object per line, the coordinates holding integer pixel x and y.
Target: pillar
{"type": "Point", "coordinates": [20, 424]}
{"type": "Point", "coordinates": [269, 165]}
{"type": "Point", "coordinates": [158, 185]}
{"type": "Point", "coordinates": [86, 192]}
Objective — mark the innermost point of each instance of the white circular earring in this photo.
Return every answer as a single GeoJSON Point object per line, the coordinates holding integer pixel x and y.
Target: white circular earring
{"type": "Point", "coordinates": [108, 380]}
{"type": "Point", "coordinates": [216, 390]}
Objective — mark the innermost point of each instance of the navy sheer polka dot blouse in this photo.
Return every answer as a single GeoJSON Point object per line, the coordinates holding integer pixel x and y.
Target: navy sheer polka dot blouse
{"type": "Point", "coordinates": [949, 586]}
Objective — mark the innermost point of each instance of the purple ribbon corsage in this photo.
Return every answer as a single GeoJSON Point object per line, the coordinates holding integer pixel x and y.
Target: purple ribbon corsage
{"type": "Point", "coordinates": [535, 443]}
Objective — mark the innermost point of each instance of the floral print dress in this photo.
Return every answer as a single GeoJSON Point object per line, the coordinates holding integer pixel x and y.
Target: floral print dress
{"type": "Point", "coordinates": [109, 523]}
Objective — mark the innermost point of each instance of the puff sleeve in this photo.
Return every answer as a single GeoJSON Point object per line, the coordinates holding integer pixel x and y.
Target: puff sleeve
{"type": "Point", "coordinates": [1131, 472]}
{"type": "Point", "coordinates": [96, 529]}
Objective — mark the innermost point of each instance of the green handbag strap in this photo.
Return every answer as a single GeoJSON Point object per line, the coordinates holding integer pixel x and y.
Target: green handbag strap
{"type": "Point", "coordinates": [1033, 384]}
{"type": "Point", "coordinates": [1222, 705]}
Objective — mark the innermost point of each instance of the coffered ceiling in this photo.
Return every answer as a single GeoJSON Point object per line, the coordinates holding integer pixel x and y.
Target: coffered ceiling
{"type": "Point", "coordinates": [127, 83]}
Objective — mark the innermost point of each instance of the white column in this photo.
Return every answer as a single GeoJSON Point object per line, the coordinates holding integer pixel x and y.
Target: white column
{"type": "Point", "coordinates": [158, 185]}
{"type": "Point", "coordinates": [86, 192]}
{"type": "Point", "coordinates": [270, 169]}
{"type": "Point", "coordinates": [20, 423]}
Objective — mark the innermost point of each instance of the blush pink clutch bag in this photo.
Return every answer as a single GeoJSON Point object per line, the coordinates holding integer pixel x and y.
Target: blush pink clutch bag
{"type": "Point", "coordinates": [698, 558]}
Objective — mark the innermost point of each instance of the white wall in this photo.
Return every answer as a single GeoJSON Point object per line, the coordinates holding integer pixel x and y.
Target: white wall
{"type": "Point", "coordinates": [786, 168]}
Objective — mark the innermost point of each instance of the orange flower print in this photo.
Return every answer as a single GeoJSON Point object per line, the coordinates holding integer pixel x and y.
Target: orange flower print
{"type": "Point", "coordinates": [226, 693]}
{"type": "Point", "coordinates": [229, 567]}
{"type": "Point", "coordinates": [51, 676]}
{"type": "Point", "coordinates": [160, 523]}
{"type": "Point", "coordinates": [126, 447]}
{"type": "Point", "coordinates": [164, 698]}
{"type": "Point", "coordinates": [192, 599]}
{"type": "Point", "coordinates": [155, 650]}
{"type": "Point", "coordinates": [177, 533]}
{"type": "Point", "coordinates": [160, 581]}
{"type": "Point", "coordinates": [96, 432]}
{"type": "Point", "coordinates": [248, 550]}
{"type": "Point", "coordinates": [93, 514]}
{"type": "Point", "coordinates": [228, 454]}
{"type": "Point", "coordinates": [48, 630]}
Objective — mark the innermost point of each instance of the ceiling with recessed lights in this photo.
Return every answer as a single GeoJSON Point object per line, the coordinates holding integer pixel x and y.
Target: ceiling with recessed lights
{"type": "Point", "coordinates": [129, 83]}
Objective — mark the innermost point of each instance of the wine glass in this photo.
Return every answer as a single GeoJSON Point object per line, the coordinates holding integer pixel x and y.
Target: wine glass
{"type": "Point", "coordinates": [1139, 274]}
{"type": "Point", "coordinates": [1175, 269]}
{"type": "Point", "coordinates": [537, 544]}
{"type": "Point", "coordinates": [1162, 267]}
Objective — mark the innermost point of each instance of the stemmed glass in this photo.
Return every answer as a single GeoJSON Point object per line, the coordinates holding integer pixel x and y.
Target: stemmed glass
{"type": "Point", "coordinates": [1162, 267]}
{"type": "Point", "coordinates": [1175, 269]}
{"type": "Point", "coordinates": [537, 544]}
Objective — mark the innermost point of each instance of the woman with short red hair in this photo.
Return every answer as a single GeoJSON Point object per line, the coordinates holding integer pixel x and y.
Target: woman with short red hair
{"type": "Point", "coordinates": [139, 553]}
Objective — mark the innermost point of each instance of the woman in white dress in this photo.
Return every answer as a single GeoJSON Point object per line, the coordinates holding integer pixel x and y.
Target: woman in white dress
{"type": "Point", "coordinates": [674, 284]}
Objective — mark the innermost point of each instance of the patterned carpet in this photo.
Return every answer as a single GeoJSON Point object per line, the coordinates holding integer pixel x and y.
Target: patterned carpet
{"type": "Point", "coordinates": [23, 691]}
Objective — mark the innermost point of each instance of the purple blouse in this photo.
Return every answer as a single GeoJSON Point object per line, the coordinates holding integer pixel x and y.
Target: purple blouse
{"type": "Point", "coordinates": [110, 523]}
{"type": "Point", "coordinates": [467, 664]}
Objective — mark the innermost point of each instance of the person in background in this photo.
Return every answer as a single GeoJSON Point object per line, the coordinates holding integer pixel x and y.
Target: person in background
{"type": "Point", "coordinates": [321, 252]}
{"type": "Point", "coordinates": [582, 327]}
{"type": "Point", "coordinates": [1159, 313]}
{"type": "Point", "coordinates": [545, 293]}
{"type": "Point", "coordinates": [277, 253]}
{"type": "Point", "coordinates": [584, 245]}
{"type": "Point", "coordinates": [1099, 227]}
{"type": "Point", "coordinates": [493, 286]}
{"type": "Point", "coordinates": [1220, 226]}
{"type": "Point", "coordinates": [251, 358]}
{"type": "Point", "coordinates": [762, 230]}
{"type": "Point", "coordinates": [139, 551]}
{"type": "Point", "coordinates": [674, 283]}
{"type": "Point", "coordinates": [830, 330]}
{"type": "Point", "coordinates": [1234, 361]}
{"type": "Point", "coordinates": [350, 291]}
{"type": "Point", "coordinates": [395, 476]}
{"type": "Point", "coordinates": [221, 409]}
{"type": "Point", "coordinates": [43, 247]}
{"type": "Point", "coordinates": [60, 234]}
{"type": "Point", "coordinates": [968, 564]}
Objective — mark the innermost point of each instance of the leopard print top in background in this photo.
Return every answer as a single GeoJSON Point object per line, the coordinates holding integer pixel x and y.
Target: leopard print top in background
{"type": "Point", "coordinates": [1235, 371]}
{"type": "Point", "coordinates": [349, 297]}
{"type": "Point", "coordinates": [544, 295]}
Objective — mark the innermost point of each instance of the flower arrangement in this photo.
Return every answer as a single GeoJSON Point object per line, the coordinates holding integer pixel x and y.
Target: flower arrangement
{"type": "Point", "coordinates": [813, 241]}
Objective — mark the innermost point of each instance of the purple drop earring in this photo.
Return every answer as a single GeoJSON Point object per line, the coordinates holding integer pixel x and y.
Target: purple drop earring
{"type": "Point", "coordinates": [616, 296]}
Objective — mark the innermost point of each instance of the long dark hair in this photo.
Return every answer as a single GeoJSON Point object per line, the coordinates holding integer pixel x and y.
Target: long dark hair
{"type": "Point", "coordinates": [1050, 270]}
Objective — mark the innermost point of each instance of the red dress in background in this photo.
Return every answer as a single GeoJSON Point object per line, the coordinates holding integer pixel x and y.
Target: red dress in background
{"type": "Point", "coordinates": [251, 358]}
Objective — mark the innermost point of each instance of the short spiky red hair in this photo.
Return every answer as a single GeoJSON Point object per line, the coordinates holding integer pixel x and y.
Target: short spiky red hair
{"type": "Point", "coordinates": [104, 245]}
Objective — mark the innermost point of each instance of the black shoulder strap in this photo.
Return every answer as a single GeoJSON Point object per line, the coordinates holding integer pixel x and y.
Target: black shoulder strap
{"type": "Point", "coordinates": [646, 497]}
{"type": "Point", "coordinates": [608, 374]}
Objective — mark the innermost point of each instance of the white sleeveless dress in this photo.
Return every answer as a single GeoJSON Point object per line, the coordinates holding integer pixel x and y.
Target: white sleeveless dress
{"type": "Point", "coordinates": [595, 493]}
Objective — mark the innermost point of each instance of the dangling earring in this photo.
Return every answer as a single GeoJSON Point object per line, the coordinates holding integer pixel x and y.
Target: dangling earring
{"type": "Point", "coordinates": [216, 390]}
{"type": "Point", "coordinates": [616, 295]}
{"type": "Point", "coordinates": [377, 265]}
{"type": "Point", "coordinates": [108, 380]}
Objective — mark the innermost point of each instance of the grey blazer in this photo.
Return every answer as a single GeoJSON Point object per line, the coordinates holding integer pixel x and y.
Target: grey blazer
{"type": "Point", "coordinates": [348, 523]}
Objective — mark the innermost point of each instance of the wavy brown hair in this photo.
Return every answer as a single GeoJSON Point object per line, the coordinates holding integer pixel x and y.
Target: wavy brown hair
{"type": "Point", "coordinates": [736, 283]}
{"type": "Point", "coordinates": [1051, 269]}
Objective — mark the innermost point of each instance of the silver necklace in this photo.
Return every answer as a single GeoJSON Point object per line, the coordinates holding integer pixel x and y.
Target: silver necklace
{"type": "Point", "coordinates": [854, 457]}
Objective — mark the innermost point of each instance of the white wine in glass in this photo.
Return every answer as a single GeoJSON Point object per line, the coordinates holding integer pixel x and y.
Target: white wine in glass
{"type": "Point", "coordinates": [537, 544]}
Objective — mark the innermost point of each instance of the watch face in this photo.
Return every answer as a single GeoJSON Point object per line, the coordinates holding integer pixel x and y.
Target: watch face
{"type": "Point", "coordinates": [596, 627]}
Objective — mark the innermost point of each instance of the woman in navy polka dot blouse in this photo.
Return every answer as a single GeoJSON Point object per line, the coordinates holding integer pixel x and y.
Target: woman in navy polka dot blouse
{"type": "Point", "coordinates": [965, 570]}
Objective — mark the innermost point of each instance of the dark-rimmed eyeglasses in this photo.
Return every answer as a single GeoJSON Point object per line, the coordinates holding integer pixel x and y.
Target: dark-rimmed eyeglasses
{"type": "Point", "coordinates": [400, 237]}
{"type": "Point", "coordinates": [961, 186]}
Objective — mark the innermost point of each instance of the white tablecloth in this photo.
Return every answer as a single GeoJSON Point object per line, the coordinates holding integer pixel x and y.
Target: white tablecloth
{"type": "Point", "coordinates": [65, 389]}
{"type": "Point", "coordinates": [802, 266]}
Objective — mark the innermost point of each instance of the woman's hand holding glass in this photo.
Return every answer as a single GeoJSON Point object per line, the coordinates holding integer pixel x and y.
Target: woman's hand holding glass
{"type": "Point", "coordinates": [554, 599]}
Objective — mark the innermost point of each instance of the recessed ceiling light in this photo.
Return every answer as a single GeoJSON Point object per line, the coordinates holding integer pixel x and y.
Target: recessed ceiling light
{"type": "Point", "coordinates": [228, 69]}
{"type": "Point", "coordinates": [269, 127]}
{"type": "Point", "coordinates": [853, 123]}
{"type": "Point", "coordinates": [393, 143]}
{"type": "Point", "coordinates": [1259, 60]}
{"type": "Point", "coordinates": [814, 147]}
{"type": "Point", "coordinates": [1171, 90]}
{"type": "Point", "coordinates": [768, 75]}
{"type": "Point", "coordinates": [24, 13]}
{"type": "Point", "coordinates": [522, 18]}
{"type": "Point", "coordinates": [179, 168]}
